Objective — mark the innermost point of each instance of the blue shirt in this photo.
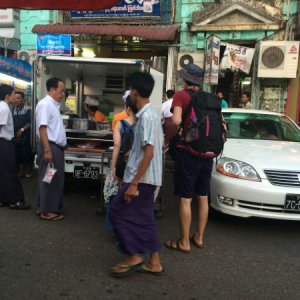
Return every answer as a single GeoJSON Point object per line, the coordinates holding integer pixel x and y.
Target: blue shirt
{"type": "Point", "coordinates": [224, 104]}
{"type": "Point", "coordinates": [147, 131]}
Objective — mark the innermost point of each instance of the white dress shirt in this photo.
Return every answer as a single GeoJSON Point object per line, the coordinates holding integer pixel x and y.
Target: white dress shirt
{"type": "Point", "coordinates": [165, 109]}
{"type": "Point", "coordinates": [47, 113]}
{"type": "Point", "coordinates": [6, 122]}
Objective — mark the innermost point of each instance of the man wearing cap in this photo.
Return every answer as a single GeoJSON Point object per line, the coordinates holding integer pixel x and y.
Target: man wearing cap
{"type": "Point", "coordinates": [92, 108]}
{"type": "Point", "coordinates": [121, 115]}
{"type": "Point", "coordinates": [192, 174]}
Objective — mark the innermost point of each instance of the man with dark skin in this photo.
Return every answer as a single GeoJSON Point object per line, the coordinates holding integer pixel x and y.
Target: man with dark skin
{"type": "Point", "coordinates": [132, 211]}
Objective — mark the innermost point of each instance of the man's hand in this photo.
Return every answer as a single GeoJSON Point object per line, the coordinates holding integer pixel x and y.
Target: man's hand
{"type": "Point", "coordinates": [19, 133]}
{"type": "Point", "coordinates": [131, 193]}
{"type": "Point", "coordinates": [48, 156]}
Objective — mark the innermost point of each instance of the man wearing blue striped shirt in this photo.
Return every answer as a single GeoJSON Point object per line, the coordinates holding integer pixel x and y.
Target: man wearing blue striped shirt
{"type": "Point", "coordinates": [132, 212]}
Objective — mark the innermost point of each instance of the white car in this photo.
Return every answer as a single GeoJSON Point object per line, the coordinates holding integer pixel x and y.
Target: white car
{"type": "Point", "coordinates": [258, 174]}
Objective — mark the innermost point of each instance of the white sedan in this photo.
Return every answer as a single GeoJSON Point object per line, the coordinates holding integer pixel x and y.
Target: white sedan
{"type": "Point", "coordinates": [258, 174]}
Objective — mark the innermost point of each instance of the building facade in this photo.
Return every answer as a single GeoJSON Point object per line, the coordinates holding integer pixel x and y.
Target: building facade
{"type": "Point", "coordinates": [244, 24]}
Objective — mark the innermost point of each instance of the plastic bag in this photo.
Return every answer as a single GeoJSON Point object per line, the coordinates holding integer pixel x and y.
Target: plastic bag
{"type": "Point", "coordinates": [49, 174]}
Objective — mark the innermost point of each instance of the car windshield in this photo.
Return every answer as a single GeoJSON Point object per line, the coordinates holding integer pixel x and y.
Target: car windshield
{"type": "Point", "coordinates": [261, 127]}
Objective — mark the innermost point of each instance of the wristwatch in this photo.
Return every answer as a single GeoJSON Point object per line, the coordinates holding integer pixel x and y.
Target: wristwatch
{"type": "Point", "coordinates": [22, 129]}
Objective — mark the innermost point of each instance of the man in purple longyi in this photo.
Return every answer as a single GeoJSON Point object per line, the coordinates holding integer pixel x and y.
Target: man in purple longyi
{"type": "Point", "coordinates": [132, 212]}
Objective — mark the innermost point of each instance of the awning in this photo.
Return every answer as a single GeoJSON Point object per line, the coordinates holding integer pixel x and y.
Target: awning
{"type": "Point", "coordinates": [155, 33]}
{"type": "Point", "coordinates": [59, 5]}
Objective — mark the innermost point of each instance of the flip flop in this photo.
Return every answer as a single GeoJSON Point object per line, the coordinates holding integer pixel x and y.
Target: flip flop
{"type": "Point", "coordinates": [144, 269]}
{"type": "Point", "coordinates": [170, 245]}
{"type": "Point", "coordinates": [53, 218]}
{"type": "Point", "coordinates": [193, 241]}
{"type": "Point", "coordinates": [131, 269]}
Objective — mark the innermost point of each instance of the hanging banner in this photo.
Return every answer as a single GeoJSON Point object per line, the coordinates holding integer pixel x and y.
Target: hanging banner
{"type": "Point", "coordinates": [53, 44]}
{"type": "Point", "coordinates": [212, 55]}
{"type": "Point", "coordinates": [237, 58]}
{"type": "Point", "coordinates": [58, 5]}
{"type": "Point", "coordinates": [126, 8]}
{"type": "Point", "coordinates": [16, 68]}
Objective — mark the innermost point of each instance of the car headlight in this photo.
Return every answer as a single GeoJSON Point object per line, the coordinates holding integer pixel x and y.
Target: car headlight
{"type": "Point", "coordinates": [237, 169]}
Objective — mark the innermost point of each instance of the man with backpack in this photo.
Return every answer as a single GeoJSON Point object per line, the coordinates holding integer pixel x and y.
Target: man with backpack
{"type": "Point", "coordinates": [202, 137]}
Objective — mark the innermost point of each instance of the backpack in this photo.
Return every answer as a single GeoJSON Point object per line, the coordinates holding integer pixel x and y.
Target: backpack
{"type": "Point", "coordinates": [203, 131]}
{"type": "Point", "coordinates": [127, 135]}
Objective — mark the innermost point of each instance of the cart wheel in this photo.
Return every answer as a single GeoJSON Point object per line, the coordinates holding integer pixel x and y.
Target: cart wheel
{"type": "Point", "coordinates": [158, 214]}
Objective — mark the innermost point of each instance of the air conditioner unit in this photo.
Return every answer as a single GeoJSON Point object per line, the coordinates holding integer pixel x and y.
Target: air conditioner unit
{"type": "Point", "coordinates": [278, 59]}
{"type": "Point", "coordinates": [28, 55]}
{"type": "Point", "coordinates": [185, 58]}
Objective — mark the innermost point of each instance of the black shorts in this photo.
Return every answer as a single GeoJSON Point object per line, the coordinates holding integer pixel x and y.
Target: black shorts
{"type": "Point", "coordinates": [192, 175]}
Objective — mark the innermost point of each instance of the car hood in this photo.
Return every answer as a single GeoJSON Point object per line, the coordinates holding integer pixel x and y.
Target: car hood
{"type": "Point", "coordinates": [264, 154]}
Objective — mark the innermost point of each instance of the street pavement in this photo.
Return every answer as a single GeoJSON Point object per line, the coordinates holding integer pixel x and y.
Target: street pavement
{"type": "Point", "coordinates": [70, 259]}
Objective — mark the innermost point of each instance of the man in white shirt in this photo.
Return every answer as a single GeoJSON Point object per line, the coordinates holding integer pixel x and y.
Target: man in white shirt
{"type": "Point", "coordinates": [11, 191]}
{"type": "Point", "coordinates": [169, 128]}
{"type": "Point", "coordinates": [52, 143]}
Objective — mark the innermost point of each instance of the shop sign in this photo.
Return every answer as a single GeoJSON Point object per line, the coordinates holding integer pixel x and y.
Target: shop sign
{"type": "Point", "coordinates": [6, 17]}
{"type": "Point", "coordinates": [53, 44]}
{"type": "Point", "coordinates": [16, 68]}
{"type": "Point", "coordinates": [237, 58]}
{"type": "Point", "coordinates": [126, 8]}
{"type": "Point", "coordinates": [61, 5]}
{"type": "Point", "coordinates": [212, 55]}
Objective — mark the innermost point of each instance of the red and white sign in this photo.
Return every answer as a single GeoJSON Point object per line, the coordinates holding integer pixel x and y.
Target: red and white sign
{"type": "Point", "coordinates": [59, 5]}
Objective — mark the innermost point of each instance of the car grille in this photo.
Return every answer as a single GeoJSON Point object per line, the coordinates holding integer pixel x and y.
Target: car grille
{"type": "Point", "coordinates": [264, 207]}
{"type": "Point", "coordinates": [284, 178]}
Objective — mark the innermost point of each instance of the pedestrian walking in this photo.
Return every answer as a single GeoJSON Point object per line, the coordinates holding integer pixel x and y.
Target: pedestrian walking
{"type": "Point", "coordinates": [52, 143]}
{"type": "Point", "coordinates": [132, 211]}
{"type": "Point", "coordinates": [22, 128]}
{"type": "Point", "coordinates": [192, 173]}
{"type": "Point", "coordinates": [11, 190]}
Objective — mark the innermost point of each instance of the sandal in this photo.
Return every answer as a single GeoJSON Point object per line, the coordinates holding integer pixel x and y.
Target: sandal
{"type": "Point", "coordinates": [130, 269]}
{"type": "Point", "coordinates": [20, 205]}
{"type": "Point", "coordinates": [193, 241]}
{"type": "Point", "coordinates": [170, 245]}
{"type": "Point", "coordinates": [144, 269]}
{"type": "Point", "coordinates": [53, 218]}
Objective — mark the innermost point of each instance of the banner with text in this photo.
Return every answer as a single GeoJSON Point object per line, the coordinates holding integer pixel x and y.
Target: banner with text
{"type": "Point", "coordinates": [53, 44]}
{"type": "Point", "coordinates": [126, 8]}
{"type": "Point", "coordinates": [237, 58]}
{"type": "Point", "coordinates": [211, 72]}
{"type": "Point", "coordinates": [16, 68]}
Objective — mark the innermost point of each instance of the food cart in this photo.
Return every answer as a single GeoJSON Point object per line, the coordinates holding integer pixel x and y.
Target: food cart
{"type": "Point", "coordinates": [89, 145]}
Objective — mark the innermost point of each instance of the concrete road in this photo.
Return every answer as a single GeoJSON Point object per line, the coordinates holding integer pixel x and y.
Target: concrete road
{"type": "Point", "coordinates": [243, 258]}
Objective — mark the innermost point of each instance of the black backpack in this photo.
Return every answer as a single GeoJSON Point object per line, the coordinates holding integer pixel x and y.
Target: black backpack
{"type": "Point", "coordinates": [202, 122]}
{"type": "Point", "coordinates": [127, 136]}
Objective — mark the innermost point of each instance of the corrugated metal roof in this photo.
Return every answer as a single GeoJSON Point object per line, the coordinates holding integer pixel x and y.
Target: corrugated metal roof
{"type": "Point", "coordinates": [156, 33]}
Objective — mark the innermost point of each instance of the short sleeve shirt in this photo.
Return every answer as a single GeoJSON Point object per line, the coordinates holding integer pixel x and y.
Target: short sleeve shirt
{"type": "Point", "coordinates": [99, 116]}
{"type": "Point", "coordinates": [166, 109]}
{"type": "Point", "coordinates": [181, 99]}
{"type": "Point", "coordinates": [6, 122]}
{"type": "Point", "coordinates": [147, 131]}
{"type": "Point", "coordinates": [47, 113]}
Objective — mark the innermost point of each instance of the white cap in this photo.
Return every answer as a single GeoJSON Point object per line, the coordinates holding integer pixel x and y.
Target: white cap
{"type": "Point", "coordinates": [91, 101]}
{"type": "Point", "coordinates": [126, 94]}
